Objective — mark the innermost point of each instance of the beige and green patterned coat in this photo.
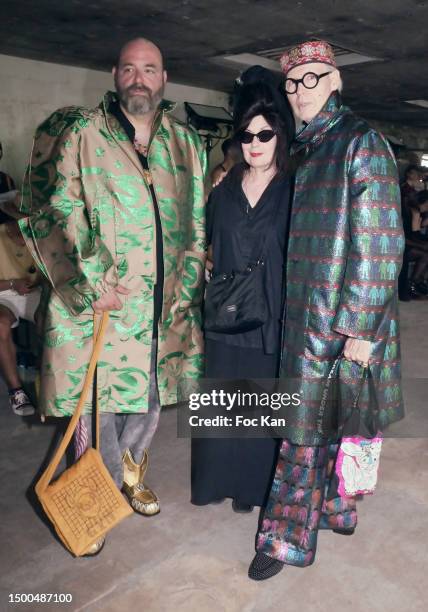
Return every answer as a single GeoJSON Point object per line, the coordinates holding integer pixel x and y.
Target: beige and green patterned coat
{"type": "Point", "coordinates": [89, 223]}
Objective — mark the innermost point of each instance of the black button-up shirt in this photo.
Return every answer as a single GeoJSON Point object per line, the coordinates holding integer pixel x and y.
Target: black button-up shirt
{"type": "Point", "coordinates": [116, 110]}
{"type": "Point", "coordinates": [238, 234]}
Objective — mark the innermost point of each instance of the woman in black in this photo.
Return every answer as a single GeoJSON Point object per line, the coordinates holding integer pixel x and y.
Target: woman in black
{"type": "Point", "coordinates": [251, 203]}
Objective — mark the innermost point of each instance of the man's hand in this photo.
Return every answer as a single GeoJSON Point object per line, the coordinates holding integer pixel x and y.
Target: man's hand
{"type": "Point", "coordinates": [110, 300]}
{"type": "Point", "coordinates": [22, 286]}
{"type": "Point", "coordinates": [217, 176]}
{"type": "Point", "coordinates": [358, 351]}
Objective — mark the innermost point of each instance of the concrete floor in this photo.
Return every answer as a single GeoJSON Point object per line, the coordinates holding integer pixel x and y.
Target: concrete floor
{"type": "Point", "coordinates": [196, 558]}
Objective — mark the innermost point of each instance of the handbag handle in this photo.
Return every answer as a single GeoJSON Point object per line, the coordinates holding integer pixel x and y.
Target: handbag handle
{"type": "Point", "coordinates": [325, 394]}
{"type": "Point", "coordinates": [47, 475]}
{"type": "Point", "coordinates": [354, 421]}
{"type": "Point", "coordinates": [366, 375]}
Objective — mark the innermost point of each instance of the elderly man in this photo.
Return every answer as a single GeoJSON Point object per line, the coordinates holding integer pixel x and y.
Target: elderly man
{"type": "Point", "coordinates": [344, 256]}
{"type": "Point", "coordinates": [115, 203]}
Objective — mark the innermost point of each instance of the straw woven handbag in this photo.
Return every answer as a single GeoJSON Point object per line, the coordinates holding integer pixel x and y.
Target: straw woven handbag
{"type": "Point", "coordinates": [84, 503]}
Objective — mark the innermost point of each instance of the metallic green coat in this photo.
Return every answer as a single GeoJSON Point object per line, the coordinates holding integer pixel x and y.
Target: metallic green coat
{"type": "Point", "coordinates": [344, 257]}
{"type": "Point", "coordinates": [90, 224]}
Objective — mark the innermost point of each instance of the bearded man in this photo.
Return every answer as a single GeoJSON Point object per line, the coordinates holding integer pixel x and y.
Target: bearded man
{"type": "Point", "coordinates": [344, 256]}
{"type": "Point", "coordinates": [114, 201]}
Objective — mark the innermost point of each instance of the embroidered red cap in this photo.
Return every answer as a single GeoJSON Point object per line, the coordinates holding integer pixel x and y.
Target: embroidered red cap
{"type": "Point", "coordinates": [312, 51]}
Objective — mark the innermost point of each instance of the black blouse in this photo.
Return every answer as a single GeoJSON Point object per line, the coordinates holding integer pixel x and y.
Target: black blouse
{"type": "Point", "coordinates": [236, 232]}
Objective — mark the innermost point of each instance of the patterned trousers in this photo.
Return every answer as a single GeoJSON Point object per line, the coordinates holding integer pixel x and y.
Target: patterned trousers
{"type": "Point", "coordinates": [297, 506]}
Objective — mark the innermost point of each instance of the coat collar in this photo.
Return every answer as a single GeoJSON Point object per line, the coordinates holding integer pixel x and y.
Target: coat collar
{"type": "Point", "coordinates": [119, 134]}
{"type": "Point", "coordinates": [165, 106]}
{"type": "Point", "coordinates": [328, 116]}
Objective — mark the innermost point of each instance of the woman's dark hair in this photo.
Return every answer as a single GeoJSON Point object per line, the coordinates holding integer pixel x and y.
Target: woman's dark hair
{"type": "Point", "coordinates": [257, 99]}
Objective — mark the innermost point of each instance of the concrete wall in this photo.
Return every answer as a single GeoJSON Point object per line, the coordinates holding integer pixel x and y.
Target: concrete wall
{"type": "Point", "coordinates": [415, 139]}
{"type": "Point", "coordinates": [31, 90]}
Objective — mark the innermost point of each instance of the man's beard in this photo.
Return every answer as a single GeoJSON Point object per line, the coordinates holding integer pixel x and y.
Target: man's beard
{"type": "Point", "coordinates": [138, 104]}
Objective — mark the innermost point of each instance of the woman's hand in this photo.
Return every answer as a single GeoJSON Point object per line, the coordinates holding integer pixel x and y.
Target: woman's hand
{"type": "Point", "coordinates": [358, 351]}
{"type": "Point", "coordinates": [218, 175]}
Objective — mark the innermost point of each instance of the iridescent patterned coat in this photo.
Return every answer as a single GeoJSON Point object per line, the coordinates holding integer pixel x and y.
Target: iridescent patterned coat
{"type": "Point", "coordinates": [344, 257]}
{"type": "Point", "coordinates": [90, 224]}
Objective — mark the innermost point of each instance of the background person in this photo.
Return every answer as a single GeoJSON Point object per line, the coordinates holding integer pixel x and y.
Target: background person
{"type": "Point", "coordinates": [409, 284]}
{"type": "Point", "coordinates": [415, 285]}
{"type": "Point", "coordinates": [8, 192]}
{"type": "Point", "coordinates": [231, 155]}
{"type": "Point", "coordinates": [19, 299]}
{"type": "Point", "coordinates": [411, 185]}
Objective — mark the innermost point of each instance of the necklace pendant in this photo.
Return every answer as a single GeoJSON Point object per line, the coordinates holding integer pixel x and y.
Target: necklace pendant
{"type": "Point", "coordinates": [148, 177]}
{"type": "Point", "coordinates": [140, 147]}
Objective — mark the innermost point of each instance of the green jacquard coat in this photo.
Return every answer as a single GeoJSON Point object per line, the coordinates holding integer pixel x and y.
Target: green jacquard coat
{"type": "Point", "coordinates": [90, 224]}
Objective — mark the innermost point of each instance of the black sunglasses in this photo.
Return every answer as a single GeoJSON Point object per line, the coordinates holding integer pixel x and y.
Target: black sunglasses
{"type": "Point", "coordinates": [248, 137]}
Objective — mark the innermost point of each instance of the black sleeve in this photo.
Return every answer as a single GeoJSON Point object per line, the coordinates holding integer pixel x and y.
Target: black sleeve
{"type": "Point", "coordinates": [210, 218]}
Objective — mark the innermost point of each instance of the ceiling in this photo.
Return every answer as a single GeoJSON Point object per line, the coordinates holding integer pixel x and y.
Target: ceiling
{"type": "Point", "coordinates": [191, 33]}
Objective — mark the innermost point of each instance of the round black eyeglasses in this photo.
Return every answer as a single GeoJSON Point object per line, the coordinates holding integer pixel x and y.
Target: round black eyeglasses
{"type": "Point", "coordinates": [309, 80]}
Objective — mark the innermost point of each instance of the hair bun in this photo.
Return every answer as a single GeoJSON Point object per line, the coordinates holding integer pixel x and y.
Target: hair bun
{"type": "Point", "coordinates": [258, 84]}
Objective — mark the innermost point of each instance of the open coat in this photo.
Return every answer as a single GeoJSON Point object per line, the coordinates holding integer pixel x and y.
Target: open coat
{"type": "Point", "coordinates": [344, 257]}
{"type": "Point", "coordinates": [90, 225]}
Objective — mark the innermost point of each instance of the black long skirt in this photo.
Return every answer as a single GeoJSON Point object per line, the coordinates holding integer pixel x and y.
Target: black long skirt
{"type": "Point", "coordinates": [238, 468]}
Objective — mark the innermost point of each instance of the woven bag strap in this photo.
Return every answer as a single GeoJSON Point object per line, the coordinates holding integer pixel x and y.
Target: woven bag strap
{"type": "Point", "coordinates": [97, 326]}
{"type": "Point", "coordinates": [47, 475]}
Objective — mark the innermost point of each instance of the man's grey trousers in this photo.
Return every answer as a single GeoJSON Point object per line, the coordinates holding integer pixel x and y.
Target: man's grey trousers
{"type": "Point", "coordinates": [121, 431]}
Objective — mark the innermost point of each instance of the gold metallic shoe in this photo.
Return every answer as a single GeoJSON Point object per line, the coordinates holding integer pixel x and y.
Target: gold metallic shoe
{"type": "Point", "coordinates": [141, 498]}
{"type": "Point", "coordinates": [96, 548]}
